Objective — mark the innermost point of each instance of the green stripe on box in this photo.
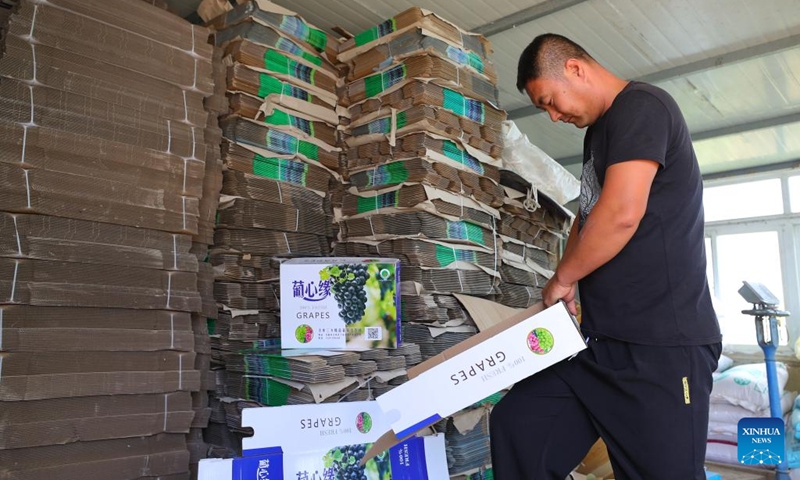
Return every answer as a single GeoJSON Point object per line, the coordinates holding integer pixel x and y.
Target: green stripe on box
{"type": "Point", "coordinates": [444, 255]}
{"type": "Point", "coordinates": [268, 391]}
{"type": "Point", "coordinates": [312, 58]}
{"type": "Point", "coordinates": [391, 174]}
{"type": "Point", "coordinates": [280, 169]}
{"type": "Point", "coordinates": [462, 230]}
{"type": "Point", "coordinates": [474, 233]}
{"type": "Point", "coordinates": [376, 32]}
{"type": "Point", "coordinates": [267, 85]}
{"type": "Point", "coordinates": [451, 151]}
{"type": "Point", "coordinates": [368, 204]}
{"type": "Point", "coordinates": [453, 101]}
{"type": "Point", "coordinates": [317, 38]}
{"type": "Point", "coordinates": [279, 117]}
{"type": "Point", "coordinates": [475, 61]}
{"type": "Point", "coordinates": [375, 84]}
{"type": "Point", "coordinates": [402, 120]}
{"type": "Point", "coordinates": [309, 150]}
{"type": "Point", "coordinates": [275, 62]}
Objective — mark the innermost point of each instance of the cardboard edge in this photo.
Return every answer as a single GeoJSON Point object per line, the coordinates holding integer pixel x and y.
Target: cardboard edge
{"type": "Point", "coordinates": [436, 456]}
{"type": "Point", "coordinates": [382, 444]}
{"type": "Point", "coordinates": [474, 340]}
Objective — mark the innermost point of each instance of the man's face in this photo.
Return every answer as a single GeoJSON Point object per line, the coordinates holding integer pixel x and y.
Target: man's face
{"type": "Point", "coordinates": [563, 98]}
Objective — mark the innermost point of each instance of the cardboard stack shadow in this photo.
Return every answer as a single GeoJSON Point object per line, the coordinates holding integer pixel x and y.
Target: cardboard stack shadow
{"type": "Point", "coordinates": [109, 169]}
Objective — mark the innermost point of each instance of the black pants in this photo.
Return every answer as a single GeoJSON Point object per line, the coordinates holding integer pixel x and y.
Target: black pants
{"type": "Point", "coordinates": [649, 404]}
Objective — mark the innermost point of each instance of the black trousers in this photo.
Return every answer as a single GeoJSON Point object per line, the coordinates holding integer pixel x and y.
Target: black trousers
{"type": "Point", "coordinates": [649, 404]}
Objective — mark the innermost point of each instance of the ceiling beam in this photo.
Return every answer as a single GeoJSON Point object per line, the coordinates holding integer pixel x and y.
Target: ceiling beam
{"type": "Point", "coordinates": [690, 68]}
{"type": "Point", "coordinates": [524, 16]}
{"type": "Point", "coordinates": [788, 165]}
{"type": "Point", "coordinates": [746, 127]}
{"type": "Point", "coordinates": [718, 132]}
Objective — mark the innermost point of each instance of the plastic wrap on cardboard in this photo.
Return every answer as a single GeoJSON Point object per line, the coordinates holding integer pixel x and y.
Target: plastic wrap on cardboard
{"type": "Point", "coordinates": [529, 161]}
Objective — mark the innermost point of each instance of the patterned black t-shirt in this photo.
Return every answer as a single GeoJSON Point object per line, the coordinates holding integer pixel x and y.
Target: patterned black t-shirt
{"type": "Point", "coordinates": [654, 291]}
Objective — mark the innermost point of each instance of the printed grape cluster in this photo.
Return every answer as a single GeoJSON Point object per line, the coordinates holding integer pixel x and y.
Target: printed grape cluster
{"type": "Point", "coordinates": [347, 285]}
{"type": "Point", "coordinates": [540, 341]}
{"type": "Point", "coordinates": [346, 460]}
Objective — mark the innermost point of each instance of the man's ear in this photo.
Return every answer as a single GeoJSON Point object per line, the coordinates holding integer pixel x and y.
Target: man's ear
{"type": "Point", "coordinates": [574, 68]}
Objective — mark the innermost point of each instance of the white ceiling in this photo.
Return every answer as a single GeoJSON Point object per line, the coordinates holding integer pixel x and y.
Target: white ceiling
{"type": "Point", "coordinates": [732, 65]}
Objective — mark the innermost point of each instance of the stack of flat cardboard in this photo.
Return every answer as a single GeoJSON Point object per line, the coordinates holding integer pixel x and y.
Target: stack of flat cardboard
{"type": "Point", "coordinates": [7, 8]}
{"type": "Point", "coordinates": [422, 162]}
{"type": "Point", "coordinates": [217, 105]}
{"type": "Point", "coordinates": [109, 177]}
{"type": "Point", "coordinates": [281, 154]}
{"type": "Point", "coordinates": [531, 228]}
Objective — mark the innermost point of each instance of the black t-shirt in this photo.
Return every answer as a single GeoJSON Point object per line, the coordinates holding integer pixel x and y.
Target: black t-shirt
{"type": "Point", "coordinates": [654, 292]}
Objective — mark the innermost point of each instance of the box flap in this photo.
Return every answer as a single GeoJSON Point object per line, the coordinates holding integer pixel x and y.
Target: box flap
{"type": "Point", "coordinates": [476, 339]}
{"type": "Point", "coordinates": [484, 312]}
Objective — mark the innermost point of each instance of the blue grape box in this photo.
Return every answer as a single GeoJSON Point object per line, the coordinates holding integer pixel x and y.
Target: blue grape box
{"type": "Point", "coordinates": [326, 441]}
{"type": "Point", "coordinates": [417, 458]}
{"type": "Point", "coordinates": [340, 303]}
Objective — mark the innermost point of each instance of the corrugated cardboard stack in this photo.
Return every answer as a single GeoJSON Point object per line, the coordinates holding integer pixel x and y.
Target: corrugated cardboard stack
{"type": "Point", "coordinates": [103, 155]}
{"type": "Point", "coordinates": [422, 165]}
{"type": "Point", "coordinates": [531, 229]}
{"type": "Point", "coordinates": [425, 142]}
{"type": "Point", "coordinates": [216, 105]}
{"type": "Point", "coordinates": [7, 8]}
{"type": "Point", "coordinates": [280, 154]}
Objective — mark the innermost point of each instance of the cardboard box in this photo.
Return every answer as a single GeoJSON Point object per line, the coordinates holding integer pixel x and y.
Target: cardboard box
{"type": "Point", "coordinates": [298, 428]}
{"type": "Point", "coordinates": [417, 458]}
{"type": "Point", "coordinates": [316, 292]}
{"type": "Point", "coordinates": [492, 360]}
{"type": "Point", "coordinates": [315, 441]}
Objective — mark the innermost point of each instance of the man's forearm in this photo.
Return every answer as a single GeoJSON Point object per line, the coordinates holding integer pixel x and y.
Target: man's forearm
{"type": "Point", "coordinates": [602, 237]}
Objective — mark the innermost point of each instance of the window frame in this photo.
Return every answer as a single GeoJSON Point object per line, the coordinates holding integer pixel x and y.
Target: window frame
{"type": "Point", "coordinates": [787, 226]}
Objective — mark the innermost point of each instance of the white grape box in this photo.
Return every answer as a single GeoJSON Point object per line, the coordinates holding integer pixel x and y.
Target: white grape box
{"type": "Point", "coordinates": [308, 441]}
{"type": "Point", "coordinates": [416, 458]}
{"type": "Point", "coordinates": [317, 292]}
{"type": "Point", "coordinates": [494, 359]}
{"type": "Point", "coordinates": [295, 428]}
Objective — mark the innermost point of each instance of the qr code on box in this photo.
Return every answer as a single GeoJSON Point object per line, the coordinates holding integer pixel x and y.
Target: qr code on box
{"type": "Point", "coordinates": [373, 333]}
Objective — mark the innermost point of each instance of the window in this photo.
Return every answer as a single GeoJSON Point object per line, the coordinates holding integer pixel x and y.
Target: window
{"type": "Point", "coordinates": [794, 193]}
{"type": "Point", "coordinates": [753, 234]}
{"type": "Point", "coordinates": [753, 257]}
{"type": "Point", "coordinates": [744, 200]}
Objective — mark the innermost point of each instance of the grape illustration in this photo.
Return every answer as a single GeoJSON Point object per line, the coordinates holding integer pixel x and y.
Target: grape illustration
{"type": "Point", "coordinates": [347, 285]}
{"type": "Point", "coordinates": [346, 460]}
{"type": "Point", "coordinates": [364, 422]}
{"type": "Point", "coordinates": [540, 341]}
{"type": "Point", "coordinates": [304, 333]}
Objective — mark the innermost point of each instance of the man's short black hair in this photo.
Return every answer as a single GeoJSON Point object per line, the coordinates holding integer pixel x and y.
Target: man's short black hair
{"type": "Point", "coordinates": [546, 56]}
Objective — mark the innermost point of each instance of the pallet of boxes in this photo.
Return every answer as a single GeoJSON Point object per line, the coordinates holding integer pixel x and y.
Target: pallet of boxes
{"type": "Point", "coordinates": [424, 146]}
{"type": "Point", "coordinates": [425, 184]}
{"type": "Point", "coordinates": [281, 151]}
{"type": "Point", "coordinates": [107, 188]}
{"type": "Point", "coordinates": [280, 156]}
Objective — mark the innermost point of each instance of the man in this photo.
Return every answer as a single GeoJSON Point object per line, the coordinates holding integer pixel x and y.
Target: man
{"type": "Point", "coordinates": [637, 252]}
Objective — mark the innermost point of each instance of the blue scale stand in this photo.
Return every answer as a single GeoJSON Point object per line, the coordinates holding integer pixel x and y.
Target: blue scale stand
{"type": "Point", "coordinates": [768, 335]}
